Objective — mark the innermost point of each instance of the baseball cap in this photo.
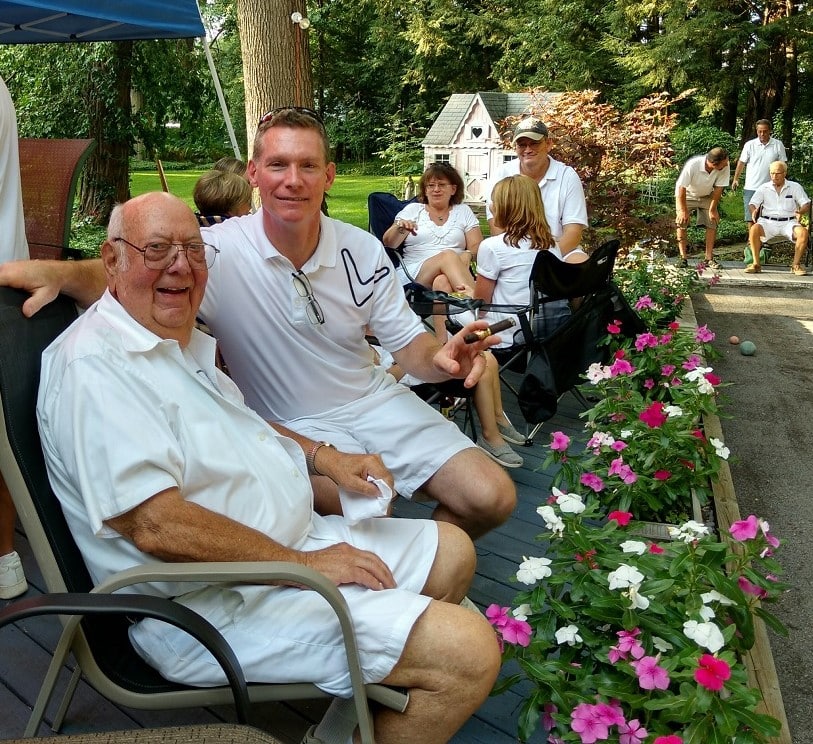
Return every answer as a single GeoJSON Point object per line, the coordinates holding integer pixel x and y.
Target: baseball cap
{"type": "Point", "coordinates": [530, 127]}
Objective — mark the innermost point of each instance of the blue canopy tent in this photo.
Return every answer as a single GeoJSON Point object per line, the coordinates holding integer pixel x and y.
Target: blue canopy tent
{"type": "Point", "coordinates": [41, 21]}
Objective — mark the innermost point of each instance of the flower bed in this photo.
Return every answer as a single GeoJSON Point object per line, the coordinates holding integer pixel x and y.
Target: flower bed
{"type": "Point", "coordinates": [626, 639]}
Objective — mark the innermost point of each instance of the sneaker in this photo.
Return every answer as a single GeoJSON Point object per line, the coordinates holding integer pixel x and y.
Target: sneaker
{"type": "Point", "coordinates": [510, 434]}
{"type": "Point", "coordinates": [753, 269]}
{"type": "Point", "coordinates": [12, 577]}
{"type": "Point", "coordinates": [798, 271]}
{"type": "Point", "coordinates": [682, 263]}
{"type": "Point", "coordinates": [504, 455]}
{"type": "Point", "coordinates": [714, 264]}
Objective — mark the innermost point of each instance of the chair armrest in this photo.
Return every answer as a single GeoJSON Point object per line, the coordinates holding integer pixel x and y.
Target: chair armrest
{"type": "Point", "coordinates": [141, 605]}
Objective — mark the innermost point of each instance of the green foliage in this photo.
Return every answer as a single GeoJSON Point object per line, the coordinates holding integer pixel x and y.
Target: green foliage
{"type": "Point", "coordinates": [689, 140]}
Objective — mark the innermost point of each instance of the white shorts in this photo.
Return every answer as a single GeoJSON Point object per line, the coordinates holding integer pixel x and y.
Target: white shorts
{"type": "Point", "coordinates": [413, 439]}
{"type": "Point", "coordinates": [284, 634]}
{"type": "Point", "coordinates": [773, 229]}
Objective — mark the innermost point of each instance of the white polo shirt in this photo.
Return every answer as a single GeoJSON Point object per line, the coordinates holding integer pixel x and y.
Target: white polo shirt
{"type": "Point", "coordinates": [758, 158]}
{"type": "Point", "coordinates": [782, 204]}
{"type": "Point", "coordinates": [562, 194]}
{"type": "Point", "coordinates": [697, 182]}
{"type": "Point", "coordinates": [286, 366]}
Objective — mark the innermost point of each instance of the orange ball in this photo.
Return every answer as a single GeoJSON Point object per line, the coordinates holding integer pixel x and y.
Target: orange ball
{"type": "Point", "coordinates": [734, 340]}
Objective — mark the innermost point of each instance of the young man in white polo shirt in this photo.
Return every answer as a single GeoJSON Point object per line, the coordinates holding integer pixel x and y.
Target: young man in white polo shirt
{"type": "Point", "coordinates": [699, 188]}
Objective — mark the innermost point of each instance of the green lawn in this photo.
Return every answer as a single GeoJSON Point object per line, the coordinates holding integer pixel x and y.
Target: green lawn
{"type": "Point", "coordinates": [347, 200]}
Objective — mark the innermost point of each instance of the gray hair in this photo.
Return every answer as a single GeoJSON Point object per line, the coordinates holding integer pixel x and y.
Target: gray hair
{"type": "Point", "coordinates": [115, 228]}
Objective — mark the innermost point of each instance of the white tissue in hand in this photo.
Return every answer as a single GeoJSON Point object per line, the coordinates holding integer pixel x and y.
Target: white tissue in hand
{"type": "Point", "coordinates": [356, 506]}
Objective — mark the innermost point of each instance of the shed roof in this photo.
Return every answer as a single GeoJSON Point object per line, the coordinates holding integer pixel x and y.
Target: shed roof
{"type": "Point", "coordinates": [499, 105]}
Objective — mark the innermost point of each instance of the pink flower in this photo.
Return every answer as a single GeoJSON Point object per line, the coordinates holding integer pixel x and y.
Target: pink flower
{"type": "Point", "coordinates": [614, 327]}
{"type": "Point", "coordinates": [703, 335]}
{"type": "Point", "coordinates": [712, 672]}
{"type": "Point", "coordinates": [496, 615]}
{"type": "Point", "coordinates": [644, 303]}
{"type": "Point", "coordinates": [618, 445]}
{"type": "Point", "coordinates": [621, 367]}
{"type": "Point", "coordinates": [653, 416]}
{"type": "Point", "coordinates": [623, 471]}
{"type": "Point", "coordinates": [547, 716]}
{"type": "Point", "coordinates": [750, 588]}
{"type": "Point", "coordinates": [693, 362]}
{"type": "Point", "coordinates": [588, 723]}
{"type": "Point", "coordinates": [650, 675]}
{"type": "Point", "coordinates": [712, 379]}
{"type": "Point", "coordinates": [745, 529]}
{"type": "Point", "coordinates": [673, 326]}
{"type": "Point", "coordinates": [655, 548]}
{"type": "Point", "coordinates": [559, 441]}
{"type": "Point", "coordinates": [671, 739]}
{"type": "Point", "coordinates": [667, 370]}
{"type": "Point", "coordinates": [662, 475]}
{"type": "Point", "coordinates": [591, 480]}
{"type": "Point", "coordinates": [631, 732]}
{"type": "Point", "coordinates": [646, 341]}
{"type": "Point", "coordinates": [649, 383]}
{"type": "Point", "coordinates": [517, 632]}
{"type": "Point", "coordinates": [622, 517]}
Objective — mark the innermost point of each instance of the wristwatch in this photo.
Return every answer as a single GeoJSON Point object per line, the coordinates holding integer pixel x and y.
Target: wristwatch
{"type": "Point", "coordinates": [310, 458]}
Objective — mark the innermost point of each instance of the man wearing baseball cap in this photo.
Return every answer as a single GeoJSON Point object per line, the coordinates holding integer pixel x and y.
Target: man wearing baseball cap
{"type": "Point", "coordinates": [561, 189]}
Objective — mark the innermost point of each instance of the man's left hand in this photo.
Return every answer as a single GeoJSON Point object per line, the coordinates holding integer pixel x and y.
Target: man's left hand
{"type": "Point", "coordinates": [461, 360]}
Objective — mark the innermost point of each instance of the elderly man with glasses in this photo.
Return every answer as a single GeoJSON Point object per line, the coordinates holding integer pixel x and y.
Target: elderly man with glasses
{"type": "Point", "coordinates": [289, 299]}
{"type": "Point", "coordinates": [154, 456]}
{"type": "Point", "coordinates": [560, 186]}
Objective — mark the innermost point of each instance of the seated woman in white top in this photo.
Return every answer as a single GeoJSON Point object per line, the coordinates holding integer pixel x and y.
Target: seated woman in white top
{"type": "Point", "coordinates": [505, 261]}
{"type": "Point", "coordinates": [438, 234]}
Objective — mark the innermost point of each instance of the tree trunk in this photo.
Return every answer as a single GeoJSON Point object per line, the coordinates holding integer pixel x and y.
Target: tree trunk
{"type": "Point", "coordinates": [105, 179]}
{"type": "Point", "coordinates": [276, 58]}
{"type": "Point", "coordinates": [791, 86]}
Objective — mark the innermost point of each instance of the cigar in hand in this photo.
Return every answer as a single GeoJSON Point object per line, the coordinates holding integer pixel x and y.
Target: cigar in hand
{"type": "Point", "coordinates": [502, 325]}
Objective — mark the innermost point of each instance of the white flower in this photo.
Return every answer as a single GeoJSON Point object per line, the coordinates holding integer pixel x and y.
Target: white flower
{"type": "Point", "coordinates": [626, 433]}
{"type": "Point", "coordinates": [552, 520]}
{"type": "Point", "coordinates": [697, 374]}
{"type": "Point", "coordinates": [719, 448]}
{"type": "Point", "coordinates": [688, 531]}
{"type": "Point", "coordinates": [706, 634]}
{"type": "Point", "coordinates": [704, 387]}
{"type": "Point", "coordinates": [706, 613]}
{"type": "Point", "coordinates": [532, 570]}
{"type": "Point", "coordinates": [624, 577]}
{"type": "Point", "coordinates": [633, 546]}
{"type": "Point", "coordinates": [673, 411]}
{"type": "Point", "coordinates": [569, 635]}
{"type": "Point", "coordinates": [661, 645]}
{"type": "Point", "coordinates": [715, 596]}
{"type": "Point", "coordinates": [522, 612]}
{"type": "Point", "coordinates": [569, 503]}
{"type": "Point", "coordinates": [637, 601]}
{"type": "Point", "coordinates": [596, 373]}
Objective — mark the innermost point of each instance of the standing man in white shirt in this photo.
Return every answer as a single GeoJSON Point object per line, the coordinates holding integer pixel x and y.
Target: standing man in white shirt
{"type": "Point", "coordinates": [757, 154]}
{"type": "Point", "coordinates": [782, 203]}
{"type": "Point", "coordinates": [560, 186]}
{"type": "Point", "coordinates": [13, 247]}
{"type": "Point", "coordinates": [699, 188]}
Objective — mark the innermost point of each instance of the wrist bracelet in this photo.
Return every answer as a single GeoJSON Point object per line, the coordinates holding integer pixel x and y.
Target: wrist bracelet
{"type": "Point", "coordinates": [310, 458]}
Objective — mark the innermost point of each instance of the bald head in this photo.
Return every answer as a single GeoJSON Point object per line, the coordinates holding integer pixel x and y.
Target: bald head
{"type": "Point", "coordinates": [165, 300]}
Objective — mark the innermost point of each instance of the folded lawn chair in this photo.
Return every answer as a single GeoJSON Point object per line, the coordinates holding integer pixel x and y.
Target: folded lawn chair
{"type": "Point", "coordinates": [555, 352]}
{"type": "Point", "coordinates": [100, 644]}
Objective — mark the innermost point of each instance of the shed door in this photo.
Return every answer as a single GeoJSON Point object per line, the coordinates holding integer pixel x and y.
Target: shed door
{"type": "Point", "coordinates": [475, 174]}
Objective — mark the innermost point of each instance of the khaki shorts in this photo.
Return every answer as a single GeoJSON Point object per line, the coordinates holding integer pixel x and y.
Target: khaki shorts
{"type": "Point", "coordinates": [700, 206]}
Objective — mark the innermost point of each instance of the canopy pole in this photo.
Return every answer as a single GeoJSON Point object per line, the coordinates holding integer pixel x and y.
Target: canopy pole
{"type": "Point", "coordinates": [221, 98]}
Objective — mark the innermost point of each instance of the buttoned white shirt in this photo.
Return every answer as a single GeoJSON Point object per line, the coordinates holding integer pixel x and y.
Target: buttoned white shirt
{"type": "Point", "coordinates": [697, 181]}
{"type": "Point", "coordinates": [782, 204]}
